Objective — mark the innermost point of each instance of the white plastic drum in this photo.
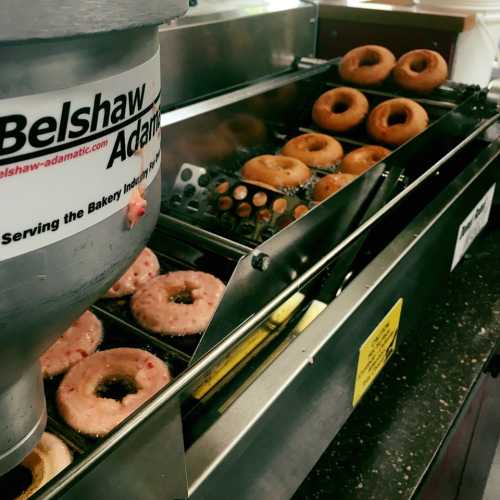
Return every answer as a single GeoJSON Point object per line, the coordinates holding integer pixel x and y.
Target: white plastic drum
{"type": "Point", "coordinates": [477, 52]}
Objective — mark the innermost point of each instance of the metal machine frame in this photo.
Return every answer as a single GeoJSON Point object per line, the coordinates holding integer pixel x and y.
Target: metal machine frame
{"type": "Point", "coordinates": [283, 411]}
{"type": "Point", "coordinates": [299, 398]}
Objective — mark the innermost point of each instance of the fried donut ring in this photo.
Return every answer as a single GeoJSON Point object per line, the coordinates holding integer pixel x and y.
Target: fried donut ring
{"type": "Point", "coordinates": [397, 120]}
{"type": "Point", "coordinates": [49, 457]}
{"type": "Point", "coordinates": [330, 184]}
{"type": "Point", "coordinates": [178, 303]}
{"type": "Point", "coordinates": [244, 130]}
{"type": "Point", "coordinates": [340, 109]}
{"type": "Point", "coordinates": [144, 267]}
{"type": "Point", "coordinates": [367, 65]}
{"type": "Point", "coordinates": [362, 159]}
{"type": "Point", "coordinates": [211, 145]}
{"type": "Point", "coordinates": [421, 70]}
{"type": "Point", "coordinates": [277, 171]}
{"type": "Point", "coordinates": [315, 150]}
{"type": "Point", "coordinates": [78, 397]}
{"type": "Point", "coordinates": [79, 341]}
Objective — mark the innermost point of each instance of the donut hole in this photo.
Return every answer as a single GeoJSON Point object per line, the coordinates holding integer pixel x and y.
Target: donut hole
{"type": "Point", "coordinates": [315, 145]}
{"type": "Point", "coordinates": [419, 65]}
{"type": "Point", "coordinates": [397, 118]}
{"type": "Point", "coordinates": [370, 59]}
{"type": "Point", "coordinates": [182, 297]}
{"type": "Point", "coordinates": [116, 387]}
{"type": "Point", "coordinates": [340, 107]}
{"type": "Point", "coordinates": [15, 482]}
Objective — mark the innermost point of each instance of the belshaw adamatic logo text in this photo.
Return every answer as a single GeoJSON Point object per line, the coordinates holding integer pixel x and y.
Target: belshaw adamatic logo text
{"type": "Point", "coordinates": [70, 126]}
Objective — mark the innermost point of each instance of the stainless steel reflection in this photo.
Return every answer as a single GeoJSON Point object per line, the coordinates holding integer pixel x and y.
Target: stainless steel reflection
{"type": "Point", "coordinates": [182, 127]}
{"type": "Point", "coordinates": [223, 44]}
{"type": "Point", "coordinates": [41, 292]}
{"type": "Point", "coordinates": [197, 235]}
{"type": "Point", "coordinates": [149, 465]}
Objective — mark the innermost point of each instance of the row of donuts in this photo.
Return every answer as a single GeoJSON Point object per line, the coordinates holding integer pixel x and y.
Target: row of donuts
{"type": "Point", "coordinates": [166, 304]}
{"type": "Point", "coordinates": [291, 168]}
{"type": "Point", "coordinates": [419, 70]}
{"type": "Point", "coordinates": [176, 303]}
{"type": "Point", "coordinates": [392, 122]}
{"type": "Point", "coordinates": [339, 110]}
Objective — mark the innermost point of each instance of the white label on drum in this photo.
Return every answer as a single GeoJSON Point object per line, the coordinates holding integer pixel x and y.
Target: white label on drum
{"type": "Point", "coordinates": [472, 225]}
{"type": "Point", "coordinates": [71, 158]}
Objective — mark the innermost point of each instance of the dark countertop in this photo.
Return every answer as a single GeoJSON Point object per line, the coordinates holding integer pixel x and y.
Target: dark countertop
{"type": "Point", "coordinates": [390, 440]}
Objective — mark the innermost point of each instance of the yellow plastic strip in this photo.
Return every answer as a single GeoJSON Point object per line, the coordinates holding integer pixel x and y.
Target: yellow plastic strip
{"type": "Point", "coordinates": [279, 316]}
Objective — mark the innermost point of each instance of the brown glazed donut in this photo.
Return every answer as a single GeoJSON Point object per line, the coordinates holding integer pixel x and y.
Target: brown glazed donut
{"type": "Point", "coordinates": [330, 184]}
{"type": "Point", "coordinates": [340, 109]}
{"type": "Point", "coordinates": [397, 120]}
{"type": "Point", "coordinates": [362, 159]}
{"type": "Point", "coordinates": [315, 150]}
{"type": "Point", "coordinates": [421, 70]}
{"type": "Point", "coordinates": [50, 456]}
{"type": "Point", "coordinates": [277, 171]}
{"type": "Point", "coordinates": [367, 65]}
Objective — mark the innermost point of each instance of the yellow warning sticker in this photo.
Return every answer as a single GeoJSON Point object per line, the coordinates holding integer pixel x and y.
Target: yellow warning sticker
{"type": "Point", "coordinates": [376, 351]}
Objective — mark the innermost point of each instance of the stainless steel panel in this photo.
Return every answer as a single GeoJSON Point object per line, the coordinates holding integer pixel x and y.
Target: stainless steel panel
{"type": "Point", "coordinates": [289, 256]}
{"type": "Point", "coordinates": [270, 437]}
{"type": "Point", "coordinates": [148, 465]}
{"type": "Point", "coordinates": [234, 44]}
{"type": "Point", "coordinates": [24, 19]}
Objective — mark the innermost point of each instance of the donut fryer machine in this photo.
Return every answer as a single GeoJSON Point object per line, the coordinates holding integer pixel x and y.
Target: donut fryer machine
{"type": "Point", "coordinates": [390, 234]}
{"type": "Point", "coordinates": [252, 407]}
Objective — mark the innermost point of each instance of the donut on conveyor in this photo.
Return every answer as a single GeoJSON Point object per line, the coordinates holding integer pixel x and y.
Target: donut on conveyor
{"type": "Point", "coordinates": [144, 268]}
{"type": "Point", "coordinates": [177, 303]}
{"type": "Point", "coordinates": [368, 65]}
{"type": "Point", "coordinates": [362, 159]}
{"type": "Point", "coordinates": [421, 71]}
{"type": "Point", "coordinates": [101, 391]}
{"type": "Point", "coordinates": [340, 109]}
{"type": "Point", "coordinates": [330, 184]}
{"type": "Point", "coordinates": [397, 120]}
{"type": "Point", "coordinates": [49, 457]}
{"type": "Point", "coordinates": [80, 340]}
{"type": "Point", "coordinates": [315, 150]}
{"type": "Point", "coordinates": [276, 171]}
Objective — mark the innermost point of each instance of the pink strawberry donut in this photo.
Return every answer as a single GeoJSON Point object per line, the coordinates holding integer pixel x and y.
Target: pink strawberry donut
{"type": "Point", "coordinates": [105, 388]}
{"type": "Point", "coordinates": [145, 267]}
{"type": "Point", "coordinates": [178, 303]}
{"type": "Point", "coordinates": [79, 341]}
